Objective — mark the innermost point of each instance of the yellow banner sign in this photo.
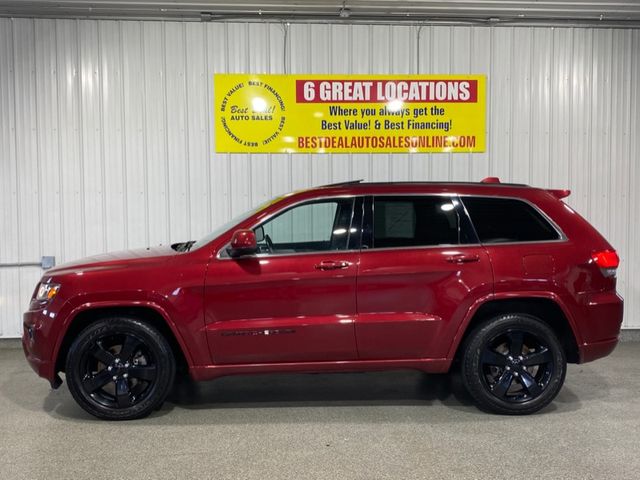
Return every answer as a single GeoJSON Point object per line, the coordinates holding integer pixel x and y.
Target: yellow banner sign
{"type": "Point", "coordinates": [349, 113]}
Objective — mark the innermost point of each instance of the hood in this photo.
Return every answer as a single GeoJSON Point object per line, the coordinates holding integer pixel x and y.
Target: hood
{"type": "Point", "coordinates": [115, 259]}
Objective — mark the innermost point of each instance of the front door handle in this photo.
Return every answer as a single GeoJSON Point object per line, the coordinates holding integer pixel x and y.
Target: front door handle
{"type": "Point", "coordinates": [461, 258]}
{"type": "Point", "coordinates": [332, 265]}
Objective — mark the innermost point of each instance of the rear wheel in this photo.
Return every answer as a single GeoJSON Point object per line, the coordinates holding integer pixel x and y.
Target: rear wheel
{"type": "Point", "coordinates": [513, 364]}
{"type": "Point", "coordinates": [120, 369]}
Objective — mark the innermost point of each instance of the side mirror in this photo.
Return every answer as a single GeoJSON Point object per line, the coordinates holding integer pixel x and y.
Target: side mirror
{"type": "Point", "coordinates": [242, 243]}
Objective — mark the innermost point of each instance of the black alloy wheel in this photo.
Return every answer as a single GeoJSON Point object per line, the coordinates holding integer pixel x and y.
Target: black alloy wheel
{"type": "Point", "coordinates": [120, 369]}
{"type": "Point", "coordinates": [513, 364]}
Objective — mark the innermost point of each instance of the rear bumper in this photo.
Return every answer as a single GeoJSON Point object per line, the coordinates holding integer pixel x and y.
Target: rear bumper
{"type": "Point", "coordinates": [601, 324]}
{"type": "Point", "coordinates": [595, 350]}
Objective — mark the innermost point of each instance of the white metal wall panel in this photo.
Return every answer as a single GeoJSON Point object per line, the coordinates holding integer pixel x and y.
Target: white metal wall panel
{"type": "Point", "coordinates": [106, 131]}
{"type": "Point", "coordinates": [9, 278]}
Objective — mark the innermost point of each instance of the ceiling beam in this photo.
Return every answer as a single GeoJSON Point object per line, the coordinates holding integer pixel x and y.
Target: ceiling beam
{"type": "Point", "coordinates": [487, 12]}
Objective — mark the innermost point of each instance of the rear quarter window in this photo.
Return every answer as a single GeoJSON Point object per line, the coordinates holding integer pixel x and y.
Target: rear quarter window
{"type": "Point", "coordinates": [502, 220]}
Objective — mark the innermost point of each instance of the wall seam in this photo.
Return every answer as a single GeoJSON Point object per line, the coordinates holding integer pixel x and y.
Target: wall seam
{"type": "Point", "coordinates": [15, 151]}
{"type": "Point", "coordinates": [83, 209]}
{"type": "Point", "coordinates": [551, 107]}
{"type": "Point", "coordinates": [570, 127]}
{"type": "Point", "coordinates": [145, 134]}
{"type": "Point", "coordinates": [591, 107]}
{"type": "Point", "coordinates": [36, 122]}
{"type": "Point", "coordinates": [228, 155]}
{"type": "Point", "coordinates": [187, 152]}
{"type": "Point", "coordinates": [209, 83]}
{"type": "Point", "coordinates": [165, 105]}
{"type": "Point", "coordinates": [123, 139]}
{"type": "Point", "coordinates": [61, 182]}
{"type": "Point", "coordinates": [103, 171]}
{"type": "Point", "coordinates": [609, 130]}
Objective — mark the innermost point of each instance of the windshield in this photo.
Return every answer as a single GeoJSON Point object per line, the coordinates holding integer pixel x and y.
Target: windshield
{"type": "Point", "coordinates": [234, 221]}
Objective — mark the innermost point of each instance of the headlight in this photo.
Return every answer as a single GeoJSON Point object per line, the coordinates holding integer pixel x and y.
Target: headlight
{"type": "Point", "coordinates": [46, 291]}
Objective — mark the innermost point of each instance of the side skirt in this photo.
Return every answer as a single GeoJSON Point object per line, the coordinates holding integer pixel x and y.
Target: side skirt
{"type": "Point", "coordinates": [428, 365]}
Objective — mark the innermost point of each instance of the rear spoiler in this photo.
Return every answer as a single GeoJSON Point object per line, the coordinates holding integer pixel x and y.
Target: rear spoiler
{"type": "Point", "coordinates": [559, 194]}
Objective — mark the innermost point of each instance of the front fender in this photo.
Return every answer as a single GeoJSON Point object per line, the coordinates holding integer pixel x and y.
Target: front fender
{"type": "Point", "coordinates": [118, 300]}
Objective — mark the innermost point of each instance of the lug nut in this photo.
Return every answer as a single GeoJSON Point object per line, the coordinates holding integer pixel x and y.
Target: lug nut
{"type": "Point", "coordinates": [117, 360]}
{"type": "Point", "coordinates": [516, 374]}
{"type": "Point", "coordinates": [115, 377]}
{"type": "Point", "coordinates": [126, 365]}
{"type": "Point", "coordinates": [109, 368]}
{"type": "Point", "coordinates": [125, 375]}
{"type": "Point", "coordinates": [508, 368]}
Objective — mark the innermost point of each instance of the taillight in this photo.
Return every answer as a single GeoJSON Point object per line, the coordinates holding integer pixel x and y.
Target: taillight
{"type": "Point", "coordinates": [607, 260]}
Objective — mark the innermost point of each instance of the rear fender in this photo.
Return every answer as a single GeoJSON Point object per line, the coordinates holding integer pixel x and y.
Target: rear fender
{"type": "Point", "coordinates": [462, 329]}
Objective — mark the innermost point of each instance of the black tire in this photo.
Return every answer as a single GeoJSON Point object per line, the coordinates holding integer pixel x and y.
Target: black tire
{"type": "Point", "coordinates": [513, 364]}
{"type": "Point", "coordinates": [114, 388]}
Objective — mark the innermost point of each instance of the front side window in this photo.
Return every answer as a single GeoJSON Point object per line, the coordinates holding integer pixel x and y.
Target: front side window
{"type": "Point", "coordinates": [312, 227]}
{"type": "Point", "coordinates": [500, 220]}
{"type": "Point", "coordinates": [414, 221]}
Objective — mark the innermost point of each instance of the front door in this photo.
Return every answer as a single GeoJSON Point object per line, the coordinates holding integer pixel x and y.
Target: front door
{"type": "Point", "coordinates": [294, 301]}
{"type": "Point", "coordinates": [420, 271]}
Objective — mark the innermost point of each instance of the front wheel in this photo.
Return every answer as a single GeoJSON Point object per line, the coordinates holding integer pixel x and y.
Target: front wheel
{"type": "Point", "coordinates": [513, 364]}
{"type": "Point", "coordinates": [120, 369]}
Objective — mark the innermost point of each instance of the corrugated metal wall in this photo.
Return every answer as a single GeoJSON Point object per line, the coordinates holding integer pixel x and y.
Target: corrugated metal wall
{"type": "Point", "coordinates": [106, 128]}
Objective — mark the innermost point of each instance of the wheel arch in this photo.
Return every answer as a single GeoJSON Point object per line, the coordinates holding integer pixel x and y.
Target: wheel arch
{"type": "Point", "coordinates": [546, 308]}
{"type": "Point", "coordinates": [86, 315]}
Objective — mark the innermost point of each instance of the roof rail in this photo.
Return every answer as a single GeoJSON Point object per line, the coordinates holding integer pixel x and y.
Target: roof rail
{"type": "Point", "coordinates": [342, 184]}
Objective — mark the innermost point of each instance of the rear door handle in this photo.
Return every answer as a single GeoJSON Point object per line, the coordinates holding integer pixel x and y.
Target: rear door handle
{"type": "Point", "coordinates": [463, 258]}
{"type": "Point", "coordinates": [332, 265]}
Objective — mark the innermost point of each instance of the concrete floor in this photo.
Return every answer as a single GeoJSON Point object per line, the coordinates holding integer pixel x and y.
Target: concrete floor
{"type": "Point", "coordinates": [392, 425]}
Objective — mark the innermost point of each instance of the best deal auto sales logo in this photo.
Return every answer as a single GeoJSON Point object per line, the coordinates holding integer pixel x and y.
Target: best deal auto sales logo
{"type": "Point", "coordinates": [252, 113]}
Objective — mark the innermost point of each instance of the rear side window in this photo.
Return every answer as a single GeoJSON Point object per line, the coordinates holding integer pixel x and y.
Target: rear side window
{"type": "Point", "coordinates": [499, 220]}
{"type": "Point", "coordinates": [414, 221]}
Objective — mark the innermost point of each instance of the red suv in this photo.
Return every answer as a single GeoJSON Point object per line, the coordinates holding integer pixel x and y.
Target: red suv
{"type": "Point", "coordinates": [505, 279]}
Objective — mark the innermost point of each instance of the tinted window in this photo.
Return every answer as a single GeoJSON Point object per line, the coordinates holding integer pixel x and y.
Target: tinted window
{"type": "Point", "coordinates": [414, 221]}
{"type": "Point", "coordinates": [505, 220]}
{"type": "Point", "coordinates": [311, 227]}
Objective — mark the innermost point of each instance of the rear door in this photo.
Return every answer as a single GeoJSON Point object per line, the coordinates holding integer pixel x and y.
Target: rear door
{"type": "Point", "coordinates": [527, 250]}
{"type": "Point", "coordinates": [421, 269]}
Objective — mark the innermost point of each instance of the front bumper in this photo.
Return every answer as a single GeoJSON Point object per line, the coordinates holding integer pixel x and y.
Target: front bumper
{"type": "Point", "coordinates": [37, 344]}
